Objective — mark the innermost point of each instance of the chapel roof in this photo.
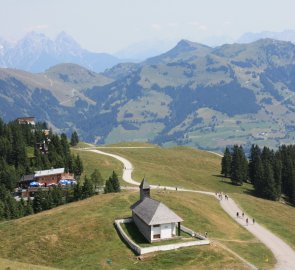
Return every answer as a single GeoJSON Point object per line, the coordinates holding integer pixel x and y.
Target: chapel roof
{"type": "Point", "coordinates": [153, 212]}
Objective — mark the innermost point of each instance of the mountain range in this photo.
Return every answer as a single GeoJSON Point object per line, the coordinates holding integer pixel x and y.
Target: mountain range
{"type": "Point", "coordinates": [192, 94]}
{"type": "Point", "coordinates": [286, 35]}
{"type": "Point", "coordinates": [36, 53]}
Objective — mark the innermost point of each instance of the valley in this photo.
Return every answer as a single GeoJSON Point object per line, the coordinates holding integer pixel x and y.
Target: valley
{"type": "Point", "coordinates": [192, 95]}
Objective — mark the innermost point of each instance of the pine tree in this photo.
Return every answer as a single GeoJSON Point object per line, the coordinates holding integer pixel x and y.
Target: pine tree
{"type": "Point", "coordinates": [57, 197]}
{"type": "Point", "coordinates": [277, 169]}
{"type": "Point", "coordinates": [48, 200]}
{"type": "Point", "coordinates": [11, 208]}
{"type": "Point", "coordinates": [77, 192]}
{"type": "Point", "coordinates": [38, 201]}
{"type": "Point", "coordinates": [289, 180]}
{"type": "Point", "coordinates": [112, 184]}
{"type": "Point", "coordinates": [21, 207]}
{"type": "Point", "coordinates": [78, 170]}
{"type": "Point", "coordinates": [108, 186]}
{"type": "Point", "coordinates": [2, 210]}
{"type": "Point", "coordinates": [96, 178]}
{"type": "Point", "coordinates": [269, 191]}
{"type": "Point", "coordinates": [258, 174]}
{"type": "Point", "coordinates": [74, 139]}
{"type": "Point", "coordinates": [115, 182]}
{"type": "Point", "coordinates": [239, 166]}
{"type": "Point", "coordinates": [29, 207]}
{"type": "Point", "coordinates": [226, 163]}
{"type": "Point", "coordinates": [87, 189]}
{"type": "Point", "coordinates": [255, 154]}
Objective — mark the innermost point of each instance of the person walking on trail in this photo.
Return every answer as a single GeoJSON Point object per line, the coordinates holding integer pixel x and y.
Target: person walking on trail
{"type": "Point", "coordinates": [247, 221]}
{"type": "Point", "coordinates": [253, 221]}
{"type": "Point", "coordinates": [243, 215]}
{"type": "Point", "coordinates": [237, 214]}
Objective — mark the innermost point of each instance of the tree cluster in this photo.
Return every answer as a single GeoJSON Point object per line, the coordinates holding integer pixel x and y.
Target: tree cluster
{"type": "Point", "coordinates": [112, 184]}
{"type": "Point", "coordinates": [74, 139]}
{"type": "Point", "coordinates": [234, 164]}
{"type": "Point", "coordinates": [10, 208]}
{"type": "Point", "coordinates": [16, 143]}
{"type": "Point", "coordinates": [19, 156]}
{"type": "Point", "coordinates": [271, 172]}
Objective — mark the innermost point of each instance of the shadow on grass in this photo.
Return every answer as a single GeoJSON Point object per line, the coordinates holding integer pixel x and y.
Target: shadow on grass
{"type": "Point", "coordinates": [123, 240]}
{"type": "Point", "coordinates": [227, 181]}
{"type": "Point", "coordinates": [134, 233]}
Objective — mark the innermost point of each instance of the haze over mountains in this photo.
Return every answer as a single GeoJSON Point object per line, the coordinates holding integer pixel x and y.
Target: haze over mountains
{"type": "Point", "coordinates": [36, 53]}
{"type": "Point", "coordinates": [286, 35]}
{"type": "Point", "coordinates": [146, 49]}
{"type": "Point", "coordinates": [192, 94]}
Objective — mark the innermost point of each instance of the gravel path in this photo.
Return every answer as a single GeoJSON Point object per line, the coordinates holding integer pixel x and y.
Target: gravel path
{"type": "Point", "coordinates": [283, 253]}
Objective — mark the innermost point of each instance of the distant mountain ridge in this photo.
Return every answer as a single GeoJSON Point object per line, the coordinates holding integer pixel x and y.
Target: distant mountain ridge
{"type": "Point", "coordinates": [192, 94]}
{"type": "Point", "coordinates": [36, 53]}
{"type": "Point", "coordinates": [286, 35]}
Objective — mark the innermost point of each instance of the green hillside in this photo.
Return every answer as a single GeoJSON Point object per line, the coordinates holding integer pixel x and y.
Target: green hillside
{"type": "Point", "coordinates": [191, 95]}
{"type": "Point", "coordinates": [190, 168]}
{"type": "Point", "coordinates": [178, 166]}
{"type": "Point", "coordinates": [81, 235]}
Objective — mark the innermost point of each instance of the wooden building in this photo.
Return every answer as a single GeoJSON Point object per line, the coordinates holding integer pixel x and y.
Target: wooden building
{"type": "Point", "coordinates": [26, 120]}
{"type": "Point", "coordinates": [153, 218]}
{"type": "Point", "coordinates": [46, 177]}
{"type": "Point", "coordinates": [49, 177]}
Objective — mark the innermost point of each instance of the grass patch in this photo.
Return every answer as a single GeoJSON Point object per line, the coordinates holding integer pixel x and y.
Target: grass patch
{"type": "Point", "coordinates": [81, 235]}
{"type": "Point", "coordinates": [105, 164]}
{"type": "Point", "coordinates": [179, 166]}
{"type": "Point", "coordinates": [30, 151]}
{"type": "Point", "coordinates": [13, 265]}
{"type": "Point", "coordinates": [130, 144]}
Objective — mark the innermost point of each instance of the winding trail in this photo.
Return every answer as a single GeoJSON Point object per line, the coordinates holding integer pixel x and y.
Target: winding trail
{"type": "Point", "coordinates": [283, 253]}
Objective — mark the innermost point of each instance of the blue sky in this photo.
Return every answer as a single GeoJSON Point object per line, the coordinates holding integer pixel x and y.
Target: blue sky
{"type": "Point", "coordinates": [110, 25]}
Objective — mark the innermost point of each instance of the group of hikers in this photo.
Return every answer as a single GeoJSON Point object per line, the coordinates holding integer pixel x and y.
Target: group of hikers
{"type": "Point", "coordinates": [247, 219]}
{"type": "Point", "coordinates": [220, 195]}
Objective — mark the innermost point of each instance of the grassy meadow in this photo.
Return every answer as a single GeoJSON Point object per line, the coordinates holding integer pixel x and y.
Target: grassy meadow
{"type": "Point", "coordinates": [105, 164]}
{"type": "Point", "coordinates": [81, 235]}
{"type": "Point", "coordinates": [178, 166]}
{"type": "Point", "coordinates": [191, 168]}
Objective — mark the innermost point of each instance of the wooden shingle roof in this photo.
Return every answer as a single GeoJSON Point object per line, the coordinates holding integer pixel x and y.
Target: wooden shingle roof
{"type": "Point", "coordinates": [153, 212]}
